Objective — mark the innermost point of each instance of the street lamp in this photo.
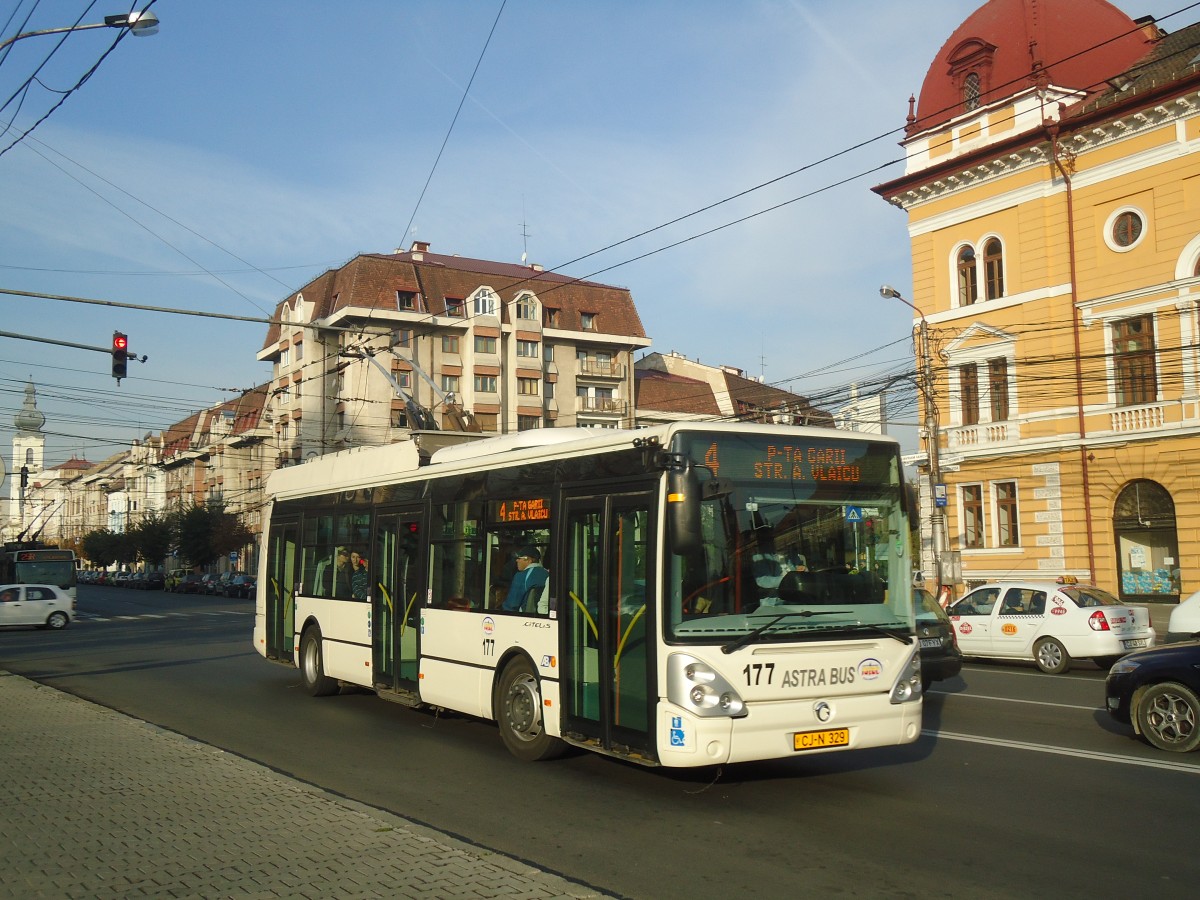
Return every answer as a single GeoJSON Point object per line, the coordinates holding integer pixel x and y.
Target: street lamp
{"type": "Point", "coordinates": [937, 519]}
{"type": "Point", "coordinates": [139, 24]}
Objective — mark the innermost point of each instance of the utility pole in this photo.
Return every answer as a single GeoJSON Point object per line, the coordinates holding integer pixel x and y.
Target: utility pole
{"type": "Point", "coordinates": [931, 427]}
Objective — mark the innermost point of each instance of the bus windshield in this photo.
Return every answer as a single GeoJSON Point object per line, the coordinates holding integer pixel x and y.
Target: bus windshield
{"type": "Point", "coordinates": [60, 572]}
{"type": "Point", "coordinates": [810, 541]}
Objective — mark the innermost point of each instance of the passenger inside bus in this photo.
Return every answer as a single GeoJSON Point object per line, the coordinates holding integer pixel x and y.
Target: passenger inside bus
{"type": "Point", "coordinates": [527, 584]}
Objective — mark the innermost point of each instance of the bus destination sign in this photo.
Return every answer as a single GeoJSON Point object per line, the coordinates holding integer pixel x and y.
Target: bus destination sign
{"type": "Point", "coordinates": [813, 462]}
{"type": "Point", "coordinates": [44, 555]}
{"type": "Point", "coordinates": [530, 509]}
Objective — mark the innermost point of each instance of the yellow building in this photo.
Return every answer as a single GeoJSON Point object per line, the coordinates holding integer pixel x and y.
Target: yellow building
{"type": "Point", "coordinates": [1053, 199]}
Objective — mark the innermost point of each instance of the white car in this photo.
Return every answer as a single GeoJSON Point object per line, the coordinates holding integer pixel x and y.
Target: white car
{"type": "Point", "coordinates": [1184, 624]}
{"type": "Point", "coordinates": [43, 605]}
{"type": "Point", "coordinates": [1048, 622]}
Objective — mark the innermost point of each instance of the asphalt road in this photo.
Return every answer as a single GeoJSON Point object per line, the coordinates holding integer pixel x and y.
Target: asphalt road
{"type": "Point", "coordinates": [1019, 785]}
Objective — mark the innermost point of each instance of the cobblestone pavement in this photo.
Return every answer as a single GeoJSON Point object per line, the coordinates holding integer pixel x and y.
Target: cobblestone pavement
{"type": "Point", "coordinates": [96, 804]}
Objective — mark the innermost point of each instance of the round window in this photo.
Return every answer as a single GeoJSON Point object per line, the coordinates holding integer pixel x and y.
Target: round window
{"type": "Point", "coordinates": [1126, 229]}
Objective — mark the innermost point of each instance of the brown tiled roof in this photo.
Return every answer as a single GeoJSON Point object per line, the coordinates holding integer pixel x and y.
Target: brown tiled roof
{"type": "Point", "coordinates": [1172, 60]}
{"type": "Point", "coordinates": [370, 281]}
{"type": "Point", "coordinates": [178, 438]}
{"type": "Point", "coordinates": [674, 393]}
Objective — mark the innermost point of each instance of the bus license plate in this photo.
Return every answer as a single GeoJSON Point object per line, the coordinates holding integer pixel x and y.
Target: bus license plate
{"type": "Point", "coordinates": [1131, 645]}
{"type": "Point", "coordinates": [817, 740]}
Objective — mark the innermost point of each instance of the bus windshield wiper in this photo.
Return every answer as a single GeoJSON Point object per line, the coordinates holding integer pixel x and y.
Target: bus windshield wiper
{"type": "Point", "coordinates": [889, 632]}
{"type": "Point", "coordinates": [750, 636]}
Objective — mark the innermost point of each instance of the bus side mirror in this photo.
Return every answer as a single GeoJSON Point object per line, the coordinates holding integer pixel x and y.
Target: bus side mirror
{"type": "Point", "coordinates": [683, 510]}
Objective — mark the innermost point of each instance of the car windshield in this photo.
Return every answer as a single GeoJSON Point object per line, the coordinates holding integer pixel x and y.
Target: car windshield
{"type": "Point", "coordinates": [808, 560]}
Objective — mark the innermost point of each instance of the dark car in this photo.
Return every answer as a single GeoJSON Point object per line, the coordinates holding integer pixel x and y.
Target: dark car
{"type": "Point", "coordinates": [189, 584]}
{"type": "Point", "coordinates": [153, 581]}
{"type": "Point", "coordinates": [240, 586]}
{"type": "Point", "coordinates": [940, 657]}
{"type": "Point", "coordinates": [1157, 691]}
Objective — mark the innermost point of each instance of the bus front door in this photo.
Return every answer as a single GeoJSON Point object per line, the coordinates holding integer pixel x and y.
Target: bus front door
{"type": "Point", "coordinates": [396, 584]}
{"type": "Point", "coordinates": [606, 613]}
{"type": "Point", "coordinates": [280, 590]}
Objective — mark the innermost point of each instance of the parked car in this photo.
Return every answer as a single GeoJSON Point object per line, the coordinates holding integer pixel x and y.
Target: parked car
{"type": "Point", "coordinates": [1048, 622]}
{"type": "Point", "coordinates": [209, 582]}
{"type": "Point", "coordinates": [1184, 624]}
{"type": "Point", "coordinates": [241, 585]}
{"type": "Point", "coordinates": [189, 584]}
{"type": "Point", "coordinates": [41, 605]}
{"type": "Point", "coordinates": [940, 656]}
{"type": "Point", "coordinates": [1158, 692]}
{"type": "Point", "coordinates": [174, 577]}
{"type": "Point", "coordinates": [134, 581]}
{"type": "Point", "coordinates": [153, 581]}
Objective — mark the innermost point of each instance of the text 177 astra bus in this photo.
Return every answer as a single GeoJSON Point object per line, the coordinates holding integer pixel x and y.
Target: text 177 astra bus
{"type": "Point", "coordinates": [716, 593]}
{"type": "Point", "coordinates": [32, 563]}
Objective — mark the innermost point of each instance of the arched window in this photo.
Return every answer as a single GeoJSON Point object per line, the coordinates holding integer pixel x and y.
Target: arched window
{"type": "Point", "coordinates": [29, 456]}
{"type": "Point", "coordinates": [993, 269]}
{"type": "Point", "coordinates": [971, 91]}
{"type": "Point", "coordinates": [1147, 541]}
{"type": "Point", "coordinates": [968, 279]}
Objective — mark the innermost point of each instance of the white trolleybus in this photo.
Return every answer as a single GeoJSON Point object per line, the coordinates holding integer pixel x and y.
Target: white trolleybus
{"type": "Point", "coordinates": [32, 562]}
{"type": "Point", "coordinates": [683, 595]}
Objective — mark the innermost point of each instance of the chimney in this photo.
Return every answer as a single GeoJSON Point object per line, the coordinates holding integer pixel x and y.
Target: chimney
{"type": "Point", "coordinates": [420, 247]}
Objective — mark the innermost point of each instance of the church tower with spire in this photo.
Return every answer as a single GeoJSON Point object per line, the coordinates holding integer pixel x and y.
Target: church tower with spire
{"type": "Point", "coordinates": [28, 453]}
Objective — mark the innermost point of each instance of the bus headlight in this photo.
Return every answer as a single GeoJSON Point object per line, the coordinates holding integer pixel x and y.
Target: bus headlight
{"type": "Point", "coordinates": [908, 686]}
{"type": "Point", "coordinates": [697, 687]}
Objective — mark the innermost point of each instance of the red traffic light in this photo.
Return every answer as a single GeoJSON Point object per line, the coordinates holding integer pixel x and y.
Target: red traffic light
{"type": "Point", "coordinates": [120, 341]}
{"type": "Point", "coordinates": [120, 356]}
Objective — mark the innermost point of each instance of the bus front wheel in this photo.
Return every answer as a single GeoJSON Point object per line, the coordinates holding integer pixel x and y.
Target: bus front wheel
{"type": "Point", "coordinates": [519, 714]}
{"type": "Point", "coordinates": [312, 666]}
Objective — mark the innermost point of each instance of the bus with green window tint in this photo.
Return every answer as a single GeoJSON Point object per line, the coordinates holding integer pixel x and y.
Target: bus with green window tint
{"type": "Point", "coordinates": [712, 592]}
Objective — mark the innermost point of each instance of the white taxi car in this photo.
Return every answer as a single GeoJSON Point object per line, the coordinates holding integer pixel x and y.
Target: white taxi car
{"type": "Point", "coordinates": [1048, 622]}
{"type": "Point", "coordinates": [43, 605]}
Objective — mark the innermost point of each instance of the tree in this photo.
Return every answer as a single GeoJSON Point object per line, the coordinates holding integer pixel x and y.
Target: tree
{"type": "Point", "coordinates": [153, 537]}
{"type": "Point", "coordinates": [206, 533]}
{"type": "Point", "coordinates": [102, 547]}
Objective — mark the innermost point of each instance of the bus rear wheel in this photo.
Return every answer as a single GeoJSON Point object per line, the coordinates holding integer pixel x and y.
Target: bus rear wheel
{"type": "Point", "coordinates": [312, 666]}
{"type": "Point", "coordinates": [519, 714]}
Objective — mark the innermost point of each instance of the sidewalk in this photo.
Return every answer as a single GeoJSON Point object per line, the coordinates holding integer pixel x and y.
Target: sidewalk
{"type": "Point", "coordinates": [97, 804]}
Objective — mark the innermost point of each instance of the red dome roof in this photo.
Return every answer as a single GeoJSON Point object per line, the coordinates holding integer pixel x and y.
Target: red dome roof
{"type": "Point", "coordinates": [1001, 41]}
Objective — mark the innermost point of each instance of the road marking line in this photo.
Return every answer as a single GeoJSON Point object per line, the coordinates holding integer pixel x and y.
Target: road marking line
{"type": "Point", "coordinates": [1066, 751]}
{"type": "Point", "coordinates": [1016, 700]}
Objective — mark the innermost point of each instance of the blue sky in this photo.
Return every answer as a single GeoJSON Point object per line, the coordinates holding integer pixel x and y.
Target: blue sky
{"type": "Point", "coordinates": [224, 162]}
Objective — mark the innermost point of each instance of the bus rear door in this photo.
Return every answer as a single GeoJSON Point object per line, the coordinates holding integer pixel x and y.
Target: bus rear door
{"type": "Point", "coordinates": [606, 614]}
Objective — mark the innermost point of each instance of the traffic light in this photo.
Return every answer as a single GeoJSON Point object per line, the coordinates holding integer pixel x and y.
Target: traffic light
{"type": "Point", "coordinates": [120, 355]}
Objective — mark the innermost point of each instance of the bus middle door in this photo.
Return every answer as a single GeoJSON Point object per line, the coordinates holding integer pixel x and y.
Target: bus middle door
{"type": "Point", "coordinates": [606, 611]}
{"type": "Point", "coordinates": [397, 583]}
{"type": "Point", "coordinates": [280, 589]}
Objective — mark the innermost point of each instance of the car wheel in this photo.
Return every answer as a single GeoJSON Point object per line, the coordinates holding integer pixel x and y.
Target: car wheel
{"type": "Point", "coordinates": [57, 620]}
{"type": "Point", "coordinates": [1051, 656]}
{"type": "Point", "coordinates": [1105, 662]}
{"type": "Point", "coordinates": [312, 666]}
{"type": "Point", "coordinates": [518, 707]}
{"type": "Point", "coordinates": [1167, 716]}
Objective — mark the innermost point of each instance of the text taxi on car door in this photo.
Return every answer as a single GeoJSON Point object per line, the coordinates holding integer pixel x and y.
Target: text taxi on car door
{"type": "Point", "coordinates": [43, 605]}
{"type": "Point", "coordinates": [1049, 622]}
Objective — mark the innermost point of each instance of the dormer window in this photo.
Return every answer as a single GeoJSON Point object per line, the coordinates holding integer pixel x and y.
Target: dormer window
{"type": "Point", "coordinates": [406, 300]}
{"type": "Point", "coordinates": [485, 302]}
{"type": "Point", "coordinates": [454, 307]}
{"type": "Point", "coordinates": [971, 91]}
{"type": "Point", "coordinates": [587, 321]}
{"type": "Point", "coordinates": [527, 307]}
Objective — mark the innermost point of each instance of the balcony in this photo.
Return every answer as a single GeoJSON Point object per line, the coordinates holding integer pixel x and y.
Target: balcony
{"type": "Point", "coordinates": [608, 405]}
{"type": "Point", "coordinates": [986, 434]}
{"type": "Point", "coordinates": [1138, 418]}
{"type": "Point", "coordinates": [601, 368]}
